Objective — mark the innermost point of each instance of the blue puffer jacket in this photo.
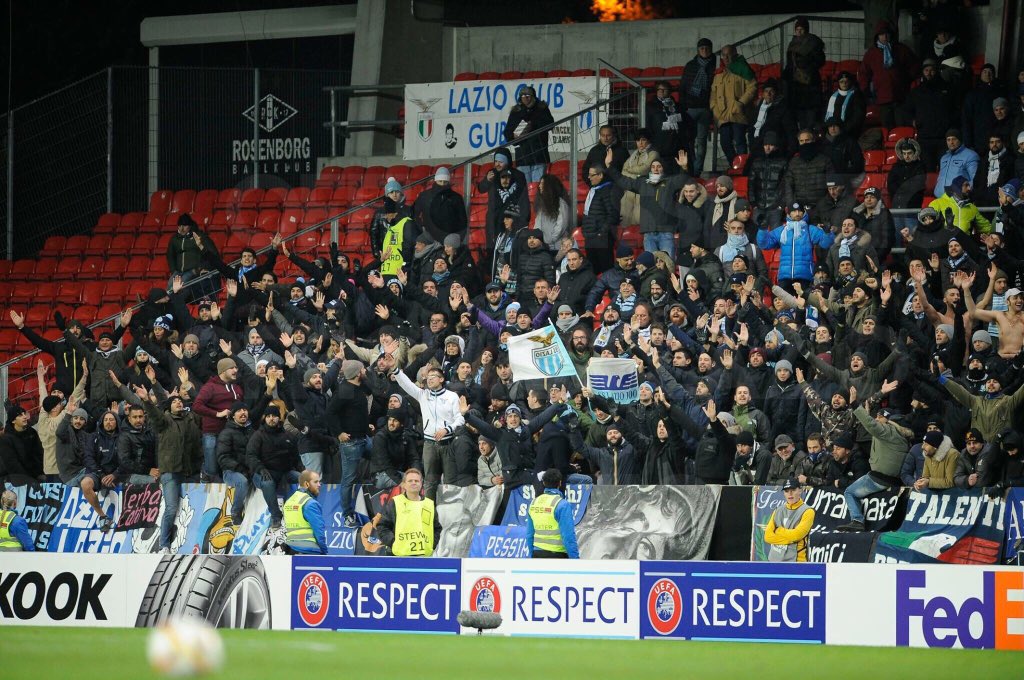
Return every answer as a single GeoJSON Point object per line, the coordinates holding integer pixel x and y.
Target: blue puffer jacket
{"type": "Point", "coordinates": [797, 241]}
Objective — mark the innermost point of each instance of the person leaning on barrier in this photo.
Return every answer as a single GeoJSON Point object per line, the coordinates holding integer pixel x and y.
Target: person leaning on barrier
{"type": "Point", "coordinates": [408, 525]}
{"type": "Point", "coordinates": [789, 526]}
{"type": "Point", "coordinates": [304, 518]}
{"type": "Point", "coordinates": [14, 534]}
{"type": "Point", "coordinates": [550, 530]}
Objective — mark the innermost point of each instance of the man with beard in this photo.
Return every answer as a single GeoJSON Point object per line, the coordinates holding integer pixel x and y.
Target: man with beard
{"type": "Point", "coordinates": [846, 464]}
{"type": "Point", "coordinates": [974, 465]}
{"type": "Point", "coordinates": [835, 416]}
{"type": "Point", "coordinates": [273, 455]}
{"type": "Point", "coordinates": [609, 331]}
{"type": "Point", "coordinates": [619, 461]}
{"type": "Point", "coordinates": [501, 195]}
{"type": "Point", "coordinates": [874, 218]}
{"type": "Point", "coordinates": [66, 358]}
{"type": "Point", "coordinates": [304, 518]}
{"type": "Point", "coordinates": [231, 446]}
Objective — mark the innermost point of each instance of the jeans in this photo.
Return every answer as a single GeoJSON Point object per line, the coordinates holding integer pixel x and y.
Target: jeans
{"type": "Point", "coordinates": [661, 241]}
{"type": "Point", "coordinates": [269, 489]}
{"type": "Point", "coordinates": [577, 478]}
{"type": "Point", "coordinates": [313, 460]}
{"type": "Point", "coordinates": [240, 483]}
{"type": "Point", "coordinates": [533, 172]}
{"type": "Point", "coordinates": [733, 138]}
{"type": "Point", "coordinates": [170, 484]}
{"type": "Point", "coordinates": [351, 453]}
{"type": "Point", "coordinates": [702, 121]}
{"type": "Point", "coordinates": [210, 465]}
{"type": "Point", "coordinates": [862, 488]}
{"type": "Point", "coordinates": [433, 454]}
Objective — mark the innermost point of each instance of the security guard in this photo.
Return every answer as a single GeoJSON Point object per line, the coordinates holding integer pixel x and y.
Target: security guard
{"type": "Point", "coordinates": [408, 525]}
{"type": "Point", "coordinates": [304, 518]}
{"type": "Point", "coordinates": [550, 530]}
{"type": "Point", "coordinates": [789, 526]}
{"type": "Point", "coordinates": [14, 534]}
{"type": "Point", "coordinates": [395, 246]}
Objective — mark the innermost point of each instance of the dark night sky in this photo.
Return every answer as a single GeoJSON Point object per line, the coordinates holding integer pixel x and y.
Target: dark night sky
{"type": "Point", "coordinates": [58, 42]}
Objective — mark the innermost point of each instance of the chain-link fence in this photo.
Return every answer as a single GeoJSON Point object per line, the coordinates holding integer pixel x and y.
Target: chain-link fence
{"type": "Point", "coordinates": [844, 38]}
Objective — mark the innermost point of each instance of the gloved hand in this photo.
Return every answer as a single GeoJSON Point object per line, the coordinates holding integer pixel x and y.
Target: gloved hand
{"type": "Point", "coordinates": [995, 491]}
{"type": "Point", "coordinates": [58, 319]}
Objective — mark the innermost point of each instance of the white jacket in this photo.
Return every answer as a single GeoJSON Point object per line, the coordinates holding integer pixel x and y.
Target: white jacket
{"type": "Point", "coordinates": [438, 412]}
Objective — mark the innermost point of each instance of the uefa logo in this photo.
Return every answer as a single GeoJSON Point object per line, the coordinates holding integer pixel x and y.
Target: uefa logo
{"type": "Point", "coordinates": [664, 606]}
{"type": "Point", "coordinates": [313, 599]}
{"type": "Point", "coordinates": [485, 596]}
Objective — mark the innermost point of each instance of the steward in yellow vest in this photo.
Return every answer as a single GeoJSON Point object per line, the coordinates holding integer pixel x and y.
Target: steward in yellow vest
{"type": "Point", "coordinates": [397, 244]}
{"type": "Point", "coordinates": [789, 525]}
{"type": "Point", "coordinates": [304, 518]}
{"type": "Point", "coordinates": [408, 525]}
{"type": "Point", "coordinates": [14, 536]}
{"type": "Point", "coordinates": [550, 529]}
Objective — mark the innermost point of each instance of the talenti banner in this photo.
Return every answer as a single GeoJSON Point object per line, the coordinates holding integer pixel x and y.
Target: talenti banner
{"type": "Point", "coordinates": [459, 119]}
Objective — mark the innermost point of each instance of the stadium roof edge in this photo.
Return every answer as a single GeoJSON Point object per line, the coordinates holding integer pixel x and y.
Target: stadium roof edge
{"type": "Point", "coordinates": [196, 29]}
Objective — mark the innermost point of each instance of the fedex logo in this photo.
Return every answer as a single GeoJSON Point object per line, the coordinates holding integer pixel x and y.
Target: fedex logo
{"type": "Point", "coordinates": [993, 621]}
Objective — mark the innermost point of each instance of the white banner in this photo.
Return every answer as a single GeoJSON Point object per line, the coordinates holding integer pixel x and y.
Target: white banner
{"type": "Point", "coordinates": [614, 379]}
{"type": "Point", "coordinates": [539, 354]}
{"type": "Point", "coordinates": [455, 120]}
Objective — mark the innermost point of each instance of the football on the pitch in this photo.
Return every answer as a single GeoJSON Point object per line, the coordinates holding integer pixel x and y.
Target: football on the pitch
{"type": "Point", "coordinates": [185, 648]}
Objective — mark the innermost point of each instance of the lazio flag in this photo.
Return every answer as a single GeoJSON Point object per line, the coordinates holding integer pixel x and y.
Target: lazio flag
{"type": "Point", "coordinates": [539, 354]}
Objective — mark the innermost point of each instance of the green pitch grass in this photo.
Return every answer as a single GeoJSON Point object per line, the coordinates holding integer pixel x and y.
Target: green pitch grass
{"type": "Point", "coordinates": [105, 654]}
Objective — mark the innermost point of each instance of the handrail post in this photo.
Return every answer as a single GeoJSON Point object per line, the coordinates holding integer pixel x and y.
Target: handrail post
{"type": "Point", "coordinates": [4, 372]}
{"type": "Point", "coordinates": [256, 127]}
{"type": "Point", "coordinates": [574, 154]}
{"type": "Point", "coordinates": [467, 185]}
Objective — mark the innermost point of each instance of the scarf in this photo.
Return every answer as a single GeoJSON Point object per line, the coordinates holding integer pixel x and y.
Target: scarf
{"type": "Point", "coordinates": [106, 354]}
{"type": "Point", "coordinates": [669, 105]}
{"type": "Point", "coordinates": [720, 202]}
{"type": "Point", "coordinates": [700, 81]}
{"type": "Point", "coordinates": [564, 325]}
{"type": "Point", "coordinates": [625, 304]}
{"type": "Point", "coordinates": [844, 245]}
{"type": "Point", "coordinates": [734, 245]}
{"type": "Point", "coordinates": [953, 264]}
{"type": "Point", "coordinates": [442, 277]}
{"type": "Point", "coordinates": [256, 350]}
{"type": "Point", "coordinates": [654, 178]}
{"type": "Point", "coordinates": [242, 271]}
{"type": "Point", "coordinates": [605, 334]}
{"type": "Point", "coordinates": [792, 230]}
{"type": "Point", "coordinates": [834, 99]}
{"type": "Point", "coordinates": [590, 196]}
{"type": "Point", "coordinates": [506, 194]}
{"type": "Point", "coordinates": [886, 53]}
{"type": "Point", "coordinates": [808, 151]}
{"type": "Point", "coordinates": [941, 47]}
{"type": "Point", "coordinates": [994, 160]}
{"type": "Point", "coordinates": [762, 116]}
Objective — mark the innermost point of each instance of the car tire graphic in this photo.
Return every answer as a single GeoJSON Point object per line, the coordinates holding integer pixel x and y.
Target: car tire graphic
{"type": "Point", "coordinates": [227, 591]}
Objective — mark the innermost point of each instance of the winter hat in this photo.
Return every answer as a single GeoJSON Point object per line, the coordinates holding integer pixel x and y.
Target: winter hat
{"type": "Point", "coordinates": [623, 250]}
{"type": "Point", "coordinates": [191, 337]}
{"type": "Point", "coordinates": [745, 438]}
{"type": "Point", "coordinates": [759, 351]}
{"type": "Point", "coordinates": [502, 157]}
{"type": "Point", "coordinates": [1000, 101]}
{"type": "Point", "coordinates": [645, 259]}
{"type": "Point", "coordinates": [51, 403]}
{"type": "Point", "coordinates": [844, 441]}
{"type": "Point", "coordinates": [564, 308]}
{"type": "Point", "coordinates": [392, 185]}
{"type": "Point", "coordinates": [974, 435]}
{"type": "Point", "coordinates": [724, 181]}
{"type": "Point", "coordinates": [499, 392]}
{"type": "Point", "coordinates": [954, 132]}
{"type": "Point", "coordinates": [783, 364]}
{"type": "Point", "coordinates": [863, 357]}
{"type": "Point", "coordinates": [456, 340]}
{"type": "Point", "coordinates": [13, 412]}
{"type": "Point", "coordinates": [163, 322]}
{"type": "Point", "coordinates": [350, 368]}
{"type": "Point", "coordinates": [513, 408]}
{"type": "Point", "coordinates": [983, 336]}
{"type": "Point", "coordinates": [80, 413]}
{"type": "Point", "coordinates": [933, 438]}
{"type": "Point", "coordinates": [225, 364]}
{"type": "Point", "coordinates": [309, 374]}
{"type": "Point", "coordinates": [742, 204]}
{"type": "Point", "coordinates": [1012, 186]}
{"type": "Point", "coordinates": [703, 42]}
{"type": "Point", "coordinates": [272, 410]}
{"type": "Point", "coordinates": [452, 241]}
{"type": "Point", "coordinates": [945, 328]}
{"type": "Point", "coordinates": [397, 414]}
{"type": "Point", "coordinates": [514, 306]}
{"type": "Point", "coordinates": [927, 212]}
{"type": "Point", "coordinates": [236, 407]}
{"type": "Point", "coordinates": [443, 175]}
{"type": "Point", "coordinates": [248, 336]}
{"type": "Point", "coordinates": [424, 238]}
{"type": "Point", "coordinates": [770, 137]}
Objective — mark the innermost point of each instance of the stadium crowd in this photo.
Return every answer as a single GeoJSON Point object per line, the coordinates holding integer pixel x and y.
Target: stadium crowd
{"type": "Point", "coordinates": [801, 331]}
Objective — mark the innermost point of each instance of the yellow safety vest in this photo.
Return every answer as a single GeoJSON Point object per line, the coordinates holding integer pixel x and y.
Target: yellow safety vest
{"type": "Point", "coordinates": [8, 543]}
{"type": "Point", "coordinates": [298, 531]}
{"type": "Point", "coordinates": [393, 239]}
{"type": "Point", "coordinates": [414, 527]}
{"type": "Point", "coordinates": [546, 533]}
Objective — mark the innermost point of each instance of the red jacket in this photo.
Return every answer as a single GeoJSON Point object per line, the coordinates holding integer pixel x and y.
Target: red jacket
{"type": "Point", "coordinates": [215, 396]}
{"type": "Point", "coordinates": [887, 85]}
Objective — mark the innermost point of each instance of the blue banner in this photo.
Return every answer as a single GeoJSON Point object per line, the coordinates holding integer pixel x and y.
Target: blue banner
{"type": "Point", "coordinates": [376, 595]}
{"type": "Point", "coordinates": [1013, 522]}
{"type": "Point", "coordinates": [77, 529]}
{"type": "Point", "coordinates": [506, 541]}
{"type": "Point", "coordinates": [520, 498]}
{"type": "Point", "coordinates": [732, 601]}
{"type": "Point", "coordinates": [614, 379]}
{"type": "Point", "coordinates": [951, 526]}
{"type": "Point", "coordinates": [340, 539]}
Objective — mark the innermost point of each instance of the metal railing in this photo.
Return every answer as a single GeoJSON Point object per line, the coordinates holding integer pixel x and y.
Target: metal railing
{"type": "Point", "coordinates": [573, 121]}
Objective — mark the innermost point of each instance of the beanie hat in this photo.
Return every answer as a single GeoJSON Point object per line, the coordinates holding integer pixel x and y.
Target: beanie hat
{"type": "Point", "coordinates": [945, 328]}
{"type": "Point", "coordinates": [623, 250]}
{"type": "Point", "coordinates": [703, 42]}
{"type": "Point", "coordinates": [397, 414]}
{"type": "Point", "coordinates": [844, 441]}
{"type": "Point", "coordinates": [783, 364]}
{"type": "Point", "coordinates": [502, 157]}
{"type": "Point", "coordinates": [424, 238]}
{"type": "Point", "coordinates": [14, 411]}
{"type": "Point", "coordinates": [191, 337]}
{"type": "Point", "coordinates": [1000, 101]}
{"type": "Point", "coordinates": [443, 175]}
{"type": "Point", "coordinates": [225, 364]}
{"type": "Point", "coordinates": [933, 438]}
{"type": "Point", "coordinates": [725, 181]}
{"type": "Point", "coordinates": [564, 308]}
{"type": "Point", "coordinates": [350, 368]}
{"type": "Point", "coordinates": [272, 410]}
{"type": "Point", "coordinates": [163, 322]}
{"type": "Point", "coordinates": [51, 402]}
{"type": "Point", "coordinates": [1012, 186]}
{"type": "Point", "coordinates": [452, 241]}
{"type": "Point", "coordinates": [81, 413]}
{"type": "Point", "coordinates": [513, 408]}
{"type": "Point", "coordinates": [954, 132]}
{"type": "Point", "coordinates": [745, 438]}
{"type": "Point", "coordinates": [983, 336]}
{"type": "Point", "coordinates": [236, 407]}
{"type": "Point", "coordinates": [742, 204]}
{"type": "Point", "coordinates": [646, 259]}
{"type": "Point", "coordinates": [392, 185]}
{"type": "Point", "coordinates": [1020, 138]}
{"type": "Point", "coordinates": [309, 374]}
{"type": "Point", "coordinates": [387, 329]}
{"type": "Point", "coordinates": [770, 137]}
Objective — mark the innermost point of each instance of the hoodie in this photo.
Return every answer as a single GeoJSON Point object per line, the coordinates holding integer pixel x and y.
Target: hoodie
{"type": "Point", "coordinates": [886, 79]}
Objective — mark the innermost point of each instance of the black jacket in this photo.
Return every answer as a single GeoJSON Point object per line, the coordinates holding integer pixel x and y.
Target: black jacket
{"type": "Point", "coordinates": [702, 100]}
{"type": "Point", "coordinates": [136, 451]}
{"type": "Point", "coordinates": [765, 183]}
{"type": "Point", "coordinates": [67, 358]}
{"type": "Point", "coordinates": [532, 151]}
{"type": "Point", "coordinates": [99, 450]}
{"type": "Point", "coordinates": [21, 456]}
{"type": "Point", "coordinates": [459, 462]}
{"type": "Point", "coordinates": [515, 448]}
{"type": "Point", "coordinates": [274, 449]}
{"type": "Point", "coordinates": [232, 443]}
{"type": "Point", "coordinates": [534, 264]}
{"type": "Point", "coordinates": [70, 448]}
{"type": "Point", "coordinates": [520, 198]}
{"type": "Point", "coordinates": [930, 107]}
{"type": "Point", "coordinates": [603, 216]}
{"type": "Point", "coordinates": [394, 452]}
{"type": "Point", "coordinates": [575, 285]}
{"type": "Point", "coordinates": [781, 121]}
{"type": "Point", "coordinates": [347, 411]}
{"type": "Point", "coordinates": [311, 407]}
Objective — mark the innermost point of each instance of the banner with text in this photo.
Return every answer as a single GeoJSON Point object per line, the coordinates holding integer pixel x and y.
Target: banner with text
{"type": "Point", "coordinates": [1013, 524]}
{"type": "Point", "coordinates": [459, 119]}
{"type": "Point", "coordinates": [519, 499]}
{"type": "Point", "coordinates": [614, 379]}
{"type": "Point", "coordinates": [140, 506]}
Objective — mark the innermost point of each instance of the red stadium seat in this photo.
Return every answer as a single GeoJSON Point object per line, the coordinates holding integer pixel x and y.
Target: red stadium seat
{"type": "Point", "coordinates": [222, 220]}
{"type": "Point", "coordinates": [131, 222]}
{"type": "Point", "coordinates": [98, 245]}
{"type": "Point", "coordinates": [67, 268]}
{"type": "Point", "coordinates": [556, 73]}
{"type": "Point", "coordinates": [290, 220]}
{"type": "Point", "coordinates": [467, 75]}
{"type": "Point", "coordinates": [115, 292]}
{"type": "Point", "coordinates": [227, 199]}
{"type": "Point", "coordinates": [73, 293]}
{"type": "Point", "coordinates": [489, 75]}
{"type": "Point", "coordinates": [49, 291]}
{"type": "Point", "coordinates": [121, 244]}
{"type": "Point", "coordinates": [53, 246]}
{"type": "Point", "coordinates": [420, 172]}
{"type": "Point", "coordinates": [245, 219]}
{"type": "Point", "coordinates": [145, 244]}
{"type": "Point", "coordinates": [152, 223]}
{"type": "Point", "coordinates": [37, 315]}
{"type": "Point", "coordinates": [273, 198]}
{"type": "Point", "coordinates": [374, 176]}
{"type": "Point", "coordinates": [740, 185]}
{"type": "Point", "coordinates": [22, 270]}
{"type": "Point", "coordinates": [307, 242]}
{"type": "Point", "coordinates": [205, 201]}
{"type": "Point", "coordinates": [329, 176]}
{"type": "Point", "coordinates": [268, 220]}
{"type": "Point", "coordinates": [296, 197]}
{"type": "Point", "coordinates": [107, 223]}
{"type": "Point", "coordinates": [367, 194]}
{"type": "Point", "coordinates": [738, 163]}
{"type": "Point", "coordinates": [114, 267]}
{"type": "Point", "coordinates": [511, 75]}
{"type": "Point", "coordinates": [251, 198]}
{"type": "Point", "coordinates": [138, 268]}
{"type": "Point", "coordinates": [92, 292]}
{"type": "Point", "coordinates": [352, 176]}
{"type": "Point", "coordinates": [399, 172]}
{"type": "Point", "coordinates": [319, 197]}
{"type": "Point", "coordinates": [582, 72]}
{"type": "Point", "coordinates": [45, 269]}
{"type": "Point", "coordinates": [874, 160]}
{"type": "Point", "coordinates": [898, 133]}
{"type": "Point", "coordinates": [160, 201]}
{"type": "Point", "coordinates": [258, 241]}
{"type": "Point", "coordinates": [91, 268]}
{"type": "Point", "coordinates": [183, 201]}
{"type": "Point", "coordinates": [342, 197]}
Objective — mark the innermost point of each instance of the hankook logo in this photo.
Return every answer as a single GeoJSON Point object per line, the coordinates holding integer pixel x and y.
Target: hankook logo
{"type": "Point", "coordinates": [271, 113]}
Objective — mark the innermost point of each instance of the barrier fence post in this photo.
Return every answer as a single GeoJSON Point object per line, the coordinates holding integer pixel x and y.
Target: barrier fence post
{"type": "Point", "coordinates": [256, 131]}
{"type": "Point", "coordinates": [10, 190]}
{"type": "Point", "coordinates": [574, 155]}
{"type": "Point", "coordinates": [467, 187]}
{"type": "Point", "coordinates": [4, 370]}
{"type": "Point", "coordinates": [153, 170]}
